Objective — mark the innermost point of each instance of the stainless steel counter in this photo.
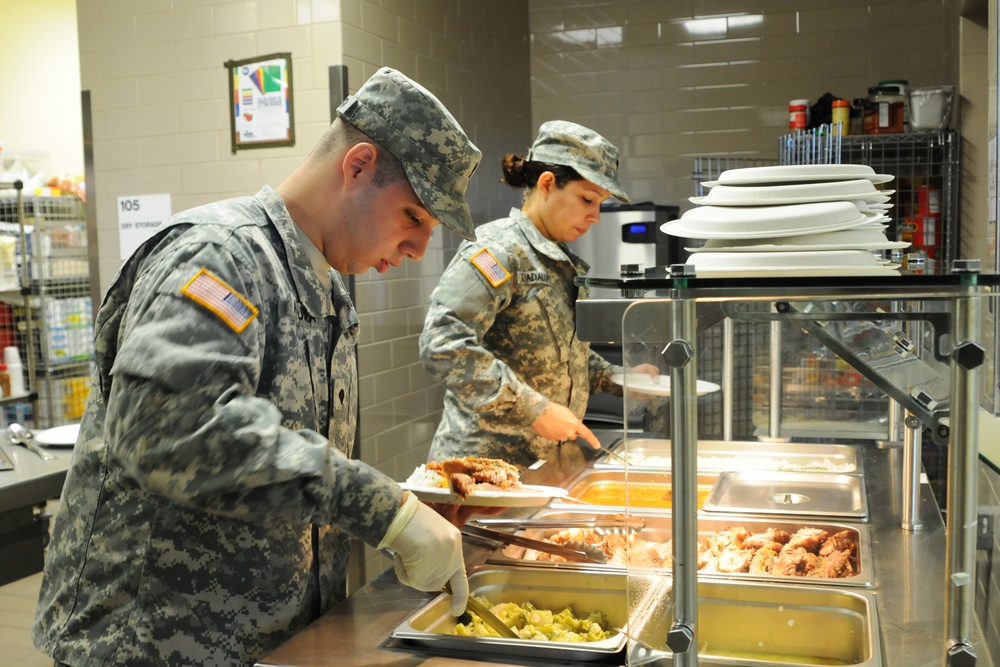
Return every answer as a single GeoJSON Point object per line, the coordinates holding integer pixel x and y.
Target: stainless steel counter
{"type": "Point", "coordinates": [31, 481]}
{"type": "Point", "coordinates": [909, 588]}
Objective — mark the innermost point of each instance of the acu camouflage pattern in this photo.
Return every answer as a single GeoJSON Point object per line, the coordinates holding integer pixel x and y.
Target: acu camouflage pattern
{"type": "Point", "coordinates": [409, 122]}
{"type": "Point", "coordinates": [504, 352]}
{"type": "Point", "coordinates": [572, 145]}
{"type": "Point", "coordinates": [205, 516]}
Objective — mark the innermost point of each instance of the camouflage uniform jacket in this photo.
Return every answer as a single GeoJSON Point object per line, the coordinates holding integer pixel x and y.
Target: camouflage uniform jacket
{"type": "Point", "coordinates": [205, 515]}
{"type": "Point", "coordinates": [503, 352]}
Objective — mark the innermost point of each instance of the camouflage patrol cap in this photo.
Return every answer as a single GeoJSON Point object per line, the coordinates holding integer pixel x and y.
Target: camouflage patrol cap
{"type": "Point", "coordinates": [408, 121]}
{"type": "Point", "coordinates": [570, 145]}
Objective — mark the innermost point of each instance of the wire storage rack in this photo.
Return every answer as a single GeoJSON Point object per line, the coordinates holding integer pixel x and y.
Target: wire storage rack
{"type": "Point", "coordinates": [926, 166]}
{"type": "Point", "coordinates": [49, 314]}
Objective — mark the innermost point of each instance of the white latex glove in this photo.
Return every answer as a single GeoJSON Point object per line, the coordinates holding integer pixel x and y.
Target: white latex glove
{"type": "Point", "coordinates": [427, 551]}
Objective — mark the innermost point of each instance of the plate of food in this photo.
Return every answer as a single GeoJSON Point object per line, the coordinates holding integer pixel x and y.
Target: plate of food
{"type": "Point", "coordinates": [479, 481]}
{"type": "Point", "coordinates": [658, 386]}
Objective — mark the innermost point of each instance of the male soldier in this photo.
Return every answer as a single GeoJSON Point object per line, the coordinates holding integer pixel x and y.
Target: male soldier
{"type": "Point", "coordinates": [206, 514]}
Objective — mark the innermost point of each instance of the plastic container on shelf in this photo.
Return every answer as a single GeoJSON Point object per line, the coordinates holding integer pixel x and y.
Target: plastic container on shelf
{"type": "Point", "coordinates": [930, 107]}
{"type": "Point", "coordinates": [12, 358]}
{"type": "Point", "coordinates": [884, 112]}
{"type": "Point", "coordinates": [901, 86]}
{"type": "Point", "coordinates": [798, 114]}
{"type": "Point", "coordinates": [858, 115]}
{"type": "Point", "coordinates": [841, 114]}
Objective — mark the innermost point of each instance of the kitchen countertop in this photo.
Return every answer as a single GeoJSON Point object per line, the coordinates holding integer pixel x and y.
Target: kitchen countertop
{"type": "Point", "coordinates": [909, 590]}
{"type": "Point", "coordinates": [32, 480]}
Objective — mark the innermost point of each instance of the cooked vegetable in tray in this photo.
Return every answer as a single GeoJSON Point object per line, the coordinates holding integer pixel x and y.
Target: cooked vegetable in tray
{"type": "Point", "coordinates": [536, 624]}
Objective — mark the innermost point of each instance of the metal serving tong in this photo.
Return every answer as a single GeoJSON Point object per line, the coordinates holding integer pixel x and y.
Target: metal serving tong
{"type": "Point", "coordinates": [487, 616]}
{"type": "Point", "coordinates": [574, 551]}
{"type": "Point", "coordinates": [602, 525]}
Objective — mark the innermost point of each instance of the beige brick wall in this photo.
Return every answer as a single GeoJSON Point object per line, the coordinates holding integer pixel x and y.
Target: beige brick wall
{"type": "Point", "coordinates": [669, 81]}
{"type": "Point", "coordinates": [160, 108]}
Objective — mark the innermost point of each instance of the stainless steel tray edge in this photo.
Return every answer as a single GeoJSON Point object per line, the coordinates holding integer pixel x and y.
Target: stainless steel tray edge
{"type": "Point", "coordinates": [713, 505]}
{"type": "Point", "coordinates": [436, 611]}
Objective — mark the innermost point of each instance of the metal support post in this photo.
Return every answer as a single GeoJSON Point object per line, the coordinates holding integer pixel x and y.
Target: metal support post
{"type": "Point", "coordinates": [960, 556]}
{"type": "Point", "coordinates": [912, 447]}
{"type": "Point", "coordinates": [680, 357]}
{"type": "Point", "coordinates": [777, 369]}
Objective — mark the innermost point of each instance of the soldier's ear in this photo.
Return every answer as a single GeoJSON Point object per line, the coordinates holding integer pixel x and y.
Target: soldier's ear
{"type": "Point", "coordinates": [359, 162]}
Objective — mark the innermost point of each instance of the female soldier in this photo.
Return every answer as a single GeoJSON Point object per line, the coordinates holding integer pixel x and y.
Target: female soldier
{"type": "Point", "coordinates": [501, 329]}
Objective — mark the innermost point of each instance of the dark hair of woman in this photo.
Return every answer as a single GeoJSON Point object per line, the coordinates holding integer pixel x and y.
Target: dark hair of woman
{"type": "Point", "coordinates": [521, 173]}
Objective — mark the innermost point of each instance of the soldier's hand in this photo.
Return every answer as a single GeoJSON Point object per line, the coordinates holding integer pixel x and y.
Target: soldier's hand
{"type": "Point", "coordinates": [427, 551]}
{"type": "Point", "coordinates": [559, 423]}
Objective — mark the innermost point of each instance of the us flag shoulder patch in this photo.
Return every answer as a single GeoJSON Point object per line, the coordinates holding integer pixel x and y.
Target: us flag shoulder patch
{"type": "Point", "coordinates": [490, 267]}
{"type": "Point", "coordinates": [210, 291]}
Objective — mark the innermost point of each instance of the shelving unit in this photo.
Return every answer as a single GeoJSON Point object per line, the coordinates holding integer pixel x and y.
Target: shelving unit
{"type": "Point", "coordinates": [50, 303]}
{"type": "Point", "coordinates": [923, 163]}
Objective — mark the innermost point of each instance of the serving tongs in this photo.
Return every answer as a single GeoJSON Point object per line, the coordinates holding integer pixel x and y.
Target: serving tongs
{"type": "Point", "coordinates": [486, 614]}
{"type": "Point", "coordinates": [601, 525]}
{"type": "Point", "coordinates": [573, 551]}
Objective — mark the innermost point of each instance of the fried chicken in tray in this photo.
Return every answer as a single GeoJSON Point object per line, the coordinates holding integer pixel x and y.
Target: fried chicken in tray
{"type": "Point", "coordinates": [809, 552]}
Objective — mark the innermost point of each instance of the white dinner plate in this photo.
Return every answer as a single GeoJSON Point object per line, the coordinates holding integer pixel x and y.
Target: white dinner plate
{"type": "Point", "coordinates": [799, 173]}
{"type": "Point", "coordinates": [528, 495]}
{"type": "Point", "coordinates": [659, 386]}
{"type": "Point", "coordinates": [719, 260]}
{"type": "Point", "coordinates": [714, 222]}
{"type": "Point", "coordinates": [766, 247]}
{"type": "Point", "coordinates": [59, 436]}
{"type": "Point", "coordinates": [800, 193]}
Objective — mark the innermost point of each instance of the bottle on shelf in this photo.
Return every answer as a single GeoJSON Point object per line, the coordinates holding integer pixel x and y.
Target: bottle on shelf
{"type": "Point", "coordinates": [840, 116]}
{"type": "Point", "coordinates": [12, 359]}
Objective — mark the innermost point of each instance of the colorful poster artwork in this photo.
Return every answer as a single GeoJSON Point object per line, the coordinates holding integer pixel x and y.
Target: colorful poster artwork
{"type": "Point", "coordinates": [261, 101]}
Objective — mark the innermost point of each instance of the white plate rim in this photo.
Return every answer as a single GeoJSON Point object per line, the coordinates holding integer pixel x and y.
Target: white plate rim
{"type": "Point", "coordinates": [882, 245]}
{"type": "Point", "coordinates": [530, 495]}
{"type": "Point", "coordinates": [778, 174]}
{"type": "Point", "coordinates": [645, 385]}
{"type": "Point", "coordinates": [670, 226]}
{"type": "Point", "coordinates": [876, 179]}
{"type": "Point", "coordinates": [58, 436]}
{"type": "Point", "coordinates": [874, 199]}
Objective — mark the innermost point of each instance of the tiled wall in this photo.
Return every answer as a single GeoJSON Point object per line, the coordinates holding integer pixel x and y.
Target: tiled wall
{"type": "Point", "coordinates": [474, 56]}
{"type": "Point", "coordinates": [669, 81]}
{"type": "Point", "coordinates": [159, 91]}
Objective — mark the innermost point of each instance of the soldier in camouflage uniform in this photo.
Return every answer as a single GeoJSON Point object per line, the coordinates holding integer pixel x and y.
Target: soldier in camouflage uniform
{"type": "Point", "coordinates": [501, 329]}
{"type": "Point", "coordinates": [207, 511]}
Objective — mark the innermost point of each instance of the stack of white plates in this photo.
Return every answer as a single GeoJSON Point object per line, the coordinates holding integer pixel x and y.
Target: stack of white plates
{"type": "Point", "coordinates": [791, 221]}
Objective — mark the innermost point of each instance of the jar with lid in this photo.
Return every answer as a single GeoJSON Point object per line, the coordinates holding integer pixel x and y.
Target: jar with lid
{"type": "Point", "coordinates": [884, 111]}
{"type": "Point", "coordinates": [901, 86]}
{"type": "Point", "coordinates": [798, 114]}
{"type": "Point", "coordinates": [840, 116]}
{"type": "Point", "coordinates": [858, 115]}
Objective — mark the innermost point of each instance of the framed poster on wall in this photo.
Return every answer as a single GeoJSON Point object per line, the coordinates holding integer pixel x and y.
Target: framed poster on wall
{"type": "Point", "coordinates": [261, 112]}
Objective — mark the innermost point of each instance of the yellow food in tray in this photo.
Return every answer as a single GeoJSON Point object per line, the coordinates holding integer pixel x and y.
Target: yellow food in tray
{"type": "Point", "coordinates": [537, 624]}
{"type": "Point", "coordinates": [639, 495]}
